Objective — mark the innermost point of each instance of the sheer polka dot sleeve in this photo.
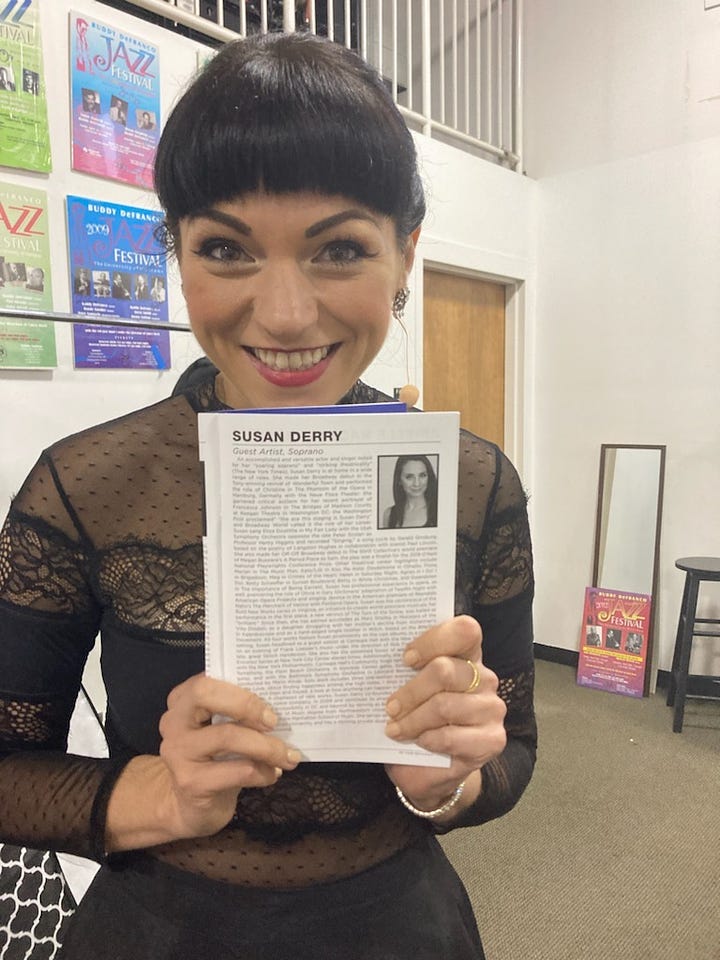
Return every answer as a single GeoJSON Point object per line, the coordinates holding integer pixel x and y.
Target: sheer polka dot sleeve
{"type": "Point", "coordinates": [48, 623]}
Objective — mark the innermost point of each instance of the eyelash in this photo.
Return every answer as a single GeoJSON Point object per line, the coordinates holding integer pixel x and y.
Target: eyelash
{"type": "Point", "coordinates": [212, 245]}
{"type": "Point", "coordinates": [347, 245]}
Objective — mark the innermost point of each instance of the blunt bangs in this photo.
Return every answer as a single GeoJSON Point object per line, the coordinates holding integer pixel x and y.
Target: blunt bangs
{"type": "Point", "coordinates": [288, 113]}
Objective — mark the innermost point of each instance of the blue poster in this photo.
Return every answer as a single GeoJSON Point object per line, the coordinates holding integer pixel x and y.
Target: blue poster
{"type": "Point", "coordinates": [117, 270]}
{"type": "Point", "coordinates": [115, 102]}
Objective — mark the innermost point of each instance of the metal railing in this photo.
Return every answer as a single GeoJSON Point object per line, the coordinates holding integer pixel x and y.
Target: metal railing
{"type": "Point", "coordinates": [454, 66]}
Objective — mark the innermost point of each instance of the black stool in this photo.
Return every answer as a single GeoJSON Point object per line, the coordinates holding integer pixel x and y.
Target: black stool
{"type": "Point", "coordinates": [696, 570]}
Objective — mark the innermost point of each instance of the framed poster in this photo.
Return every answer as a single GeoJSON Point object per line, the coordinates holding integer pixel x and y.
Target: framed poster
{"type": "Point", "coordinates": [115, 93]}
{"type": "Point", "coordinates": [25, 282]}
{"type": "Point", "coordinates": [24, 137]}
{"type": "Point", "coordinates": [117, 270]}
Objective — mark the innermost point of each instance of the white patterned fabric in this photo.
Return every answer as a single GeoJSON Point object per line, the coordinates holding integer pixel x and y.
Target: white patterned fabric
{"type": "Point", "coordinates": [35, 902]}
{"type": "Point", "coordinates": [39, 890]}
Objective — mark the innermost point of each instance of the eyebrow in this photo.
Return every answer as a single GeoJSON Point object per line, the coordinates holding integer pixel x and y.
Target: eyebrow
{"type": "Point", "coordinates": [235, 223]}
{"type": "Point", "coordinates": [338, 218]}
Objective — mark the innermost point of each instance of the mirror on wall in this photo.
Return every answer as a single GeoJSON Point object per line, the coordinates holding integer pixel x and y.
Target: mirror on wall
{"type": "Point", "coordinates": [627, 529]}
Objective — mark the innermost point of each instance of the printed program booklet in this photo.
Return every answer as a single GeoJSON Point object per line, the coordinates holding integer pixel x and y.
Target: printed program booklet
{"type": "Point", "coordinates": [311, 597]}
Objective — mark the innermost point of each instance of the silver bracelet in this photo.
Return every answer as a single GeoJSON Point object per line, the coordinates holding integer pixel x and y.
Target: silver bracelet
{"type": "Point", "coordinates": [431, 814]}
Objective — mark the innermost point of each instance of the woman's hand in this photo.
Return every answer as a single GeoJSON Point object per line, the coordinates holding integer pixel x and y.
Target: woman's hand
{"type": "Point", "coordinates": [436, 710]}
{"type": "Point", "coordinates": [209, 764]}
{"type": "Point", "coordinates": [191, 789]}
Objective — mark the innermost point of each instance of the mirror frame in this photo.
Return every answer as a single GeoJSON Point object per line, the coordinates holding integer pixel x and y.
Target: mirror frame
{"type": "Point", "coordinates": [604, 448]}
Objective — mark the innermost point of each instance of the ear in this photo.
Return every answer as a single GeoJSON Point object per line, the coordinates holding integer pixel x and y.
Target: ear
{"type": "Point", "coordinates": [410, 247]}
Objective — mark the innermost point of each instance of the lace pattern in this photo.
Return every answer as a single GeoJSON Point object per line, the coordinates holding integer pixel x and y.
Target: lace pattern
{"type": "Point", "coordinates": [26, 725]}
{"type": "Point", "coordinates": [40, 569]}
{"type": "Point", "coordinates": [155, 589]}
{"type": "Point", "coordinates": [107, 529]}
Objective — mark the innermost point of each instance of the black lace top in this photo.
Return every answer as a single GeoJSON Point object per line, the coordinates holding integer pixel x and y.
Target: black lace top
{"type": "Point", "coordinates": [105, 536]}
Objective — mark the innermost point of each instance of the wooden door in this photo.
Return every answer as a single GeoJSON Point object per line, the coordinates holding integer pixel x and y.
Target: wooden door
{"type": "Point", "coordinates": [464, 351]}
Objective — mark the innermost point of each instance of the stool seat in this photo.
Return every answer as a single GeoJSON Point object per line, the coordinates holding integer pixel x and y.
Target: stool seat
{"type": "Point", "coordinates": [697, 570]}
{"type": "Point", "coordinates": [708, 567]}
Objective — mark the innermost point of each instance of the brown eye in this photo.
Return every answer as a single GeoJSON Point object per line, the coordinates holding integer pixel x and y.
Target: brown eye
{"type": "Point", "coordinates": [223, 251]}
{"type": "Point", "coordinates": [342, 252]}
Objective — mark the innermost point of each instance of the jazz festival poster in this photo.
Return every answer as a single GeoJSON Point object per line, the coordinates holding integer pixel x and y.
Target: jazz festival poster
{"type": "Point", "coordinates": [25, 282]}
{"type": "Point", "coordinates": [115, 102]}
{"type": "Point", "coordinates": [24, 137]}
{"type": "Point", "coordinates": [117, 271]}
{"type": "Point", "coordinates": [614, 641]}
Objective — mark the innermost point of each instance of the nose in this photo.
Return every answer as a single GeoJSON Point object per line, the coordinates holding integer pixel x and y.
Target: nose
{"type": "Point", "coordinates": [285, 304]}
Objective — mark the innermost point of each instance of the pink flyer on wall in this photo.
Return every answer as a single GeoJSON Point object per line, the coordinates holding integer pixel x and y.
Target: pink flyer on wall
{"type": "Point", "coordinates": [115, 91]}
{"type": "Point", "coordinates": [614, 641]}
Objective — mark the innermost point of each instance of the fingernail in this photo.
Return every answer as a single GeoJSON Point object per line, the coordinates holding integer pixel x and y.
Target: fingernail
{"type": "Point", "coordinates": [392, 729]}
{"type": "Point", "coordinates": [411, 657]}
{"type": "Point", "coordinates": [278, 772]}
{"type": "Point", "coordinates": [294, 756]}
{"type": "Point", "coordinates": [392, 708]}
{"type": "Point", "coordinates": [269, 717]}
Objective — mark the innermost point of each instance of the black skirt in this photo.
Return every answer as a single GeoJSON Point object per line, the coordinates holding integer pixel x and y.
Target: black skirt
{"type": "Point", "coordinates": [412, 907]}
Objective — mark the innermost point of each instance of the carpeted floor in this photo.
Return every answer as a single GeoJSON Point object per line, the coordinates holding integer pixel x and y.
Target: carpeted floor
{"type": "Point", "coordinates": [614, 851]}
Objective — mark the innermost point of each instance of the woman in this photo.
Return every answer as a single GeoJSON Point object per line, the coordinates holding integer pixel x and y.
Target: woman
{"type": "Point", "coordinates": [414, 494]}
{"type": "Point", "coordinates": [293, 204]}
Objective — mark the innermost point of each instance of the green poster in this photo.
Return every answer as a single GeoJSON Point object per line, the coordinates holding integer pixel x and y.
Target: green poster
{"type": "Point", "coordinates": [24, 138]}
{"type": "Point", "coordinates": [27, 343]}
{"type": "Point", "coordinates": [25, 282]}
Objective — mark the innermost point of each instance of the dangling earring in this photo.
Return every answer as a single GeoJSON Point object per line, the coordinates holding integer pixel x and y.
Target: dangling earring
{"type": "Point", "coordinates": [399, 303]}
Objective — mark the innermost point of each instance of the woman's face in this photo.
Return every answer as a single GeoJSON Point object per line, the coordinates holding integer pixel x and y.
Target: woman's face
{"type": "Point", "coordinates": [414, 478]}
{"type": "Point", "coordinates": [290, 296]}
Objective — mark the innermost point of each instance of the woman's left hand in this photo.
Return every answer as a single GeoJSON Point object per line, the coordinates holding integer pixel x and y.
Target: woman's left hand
{"type": "Point", "coordinates": [436, 710]}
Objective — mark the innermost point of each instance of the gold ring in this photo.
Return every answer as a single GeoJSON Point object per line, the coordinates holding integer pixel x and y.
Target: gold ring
{"type": "Point", "coordinates": [475, 682]}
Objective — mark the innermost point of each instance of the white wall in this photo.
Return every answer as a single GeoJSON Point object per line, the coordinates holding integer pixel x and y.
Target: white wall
{"type": "Point", "coordinates": [623, 134]}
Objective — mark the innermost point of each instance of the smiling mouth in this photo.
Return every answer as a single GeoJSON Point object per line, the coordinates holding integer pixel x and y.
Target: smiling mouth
{"type": "Point", "coordinates": [294, 360]}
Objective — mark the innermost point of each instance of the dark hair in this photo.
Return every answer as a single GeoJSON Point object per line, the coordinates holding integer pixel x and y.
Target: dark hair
{"type": "Point", "coordinates": [397, 511]}
{"type": "Point", "coordinates": [287, 113]}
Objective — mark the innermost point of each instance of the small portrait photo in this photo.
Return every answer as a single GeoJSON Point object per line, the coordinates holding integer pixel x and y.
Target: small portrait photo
{"type": "Point", "coordinates": [15, 274]}
{"type": "Point", "coordinates": [81, 282]}
{"type": "Point", "coordinates": [612, 639]}
{"type": "Point", "coordinates": [593, 637]}
{"type": "Point", "coordinates": [145, 119]}
{"type": "Point", "coordinates": [31, 82]}
{"type": "Point", "coordinates": [118, 110]}
{"type": "Point", "coordinates": [633, 642]}
{"type": "Point", "coordinates": [141, 290]}
{"type": "Point", "coordinates": [407, 491]}
{"type": "Point", "coordinates": [7, 79]}
{"type": "Point", "coordinates": [35, 279]}
{"type": "Point", "coordinates": [90, 100]}
{"type": "Point", "coordinates": [157, 290]}
{"type": "Point", "coordinates": [101, 283]}
{"type": "Point", "coordinates": [121, 286]}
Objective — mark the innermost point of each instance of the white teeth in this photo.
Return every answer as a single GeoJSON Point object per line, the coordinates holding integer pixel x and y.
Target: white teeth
{"type": "Point", "coordinates": [292, 360]}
